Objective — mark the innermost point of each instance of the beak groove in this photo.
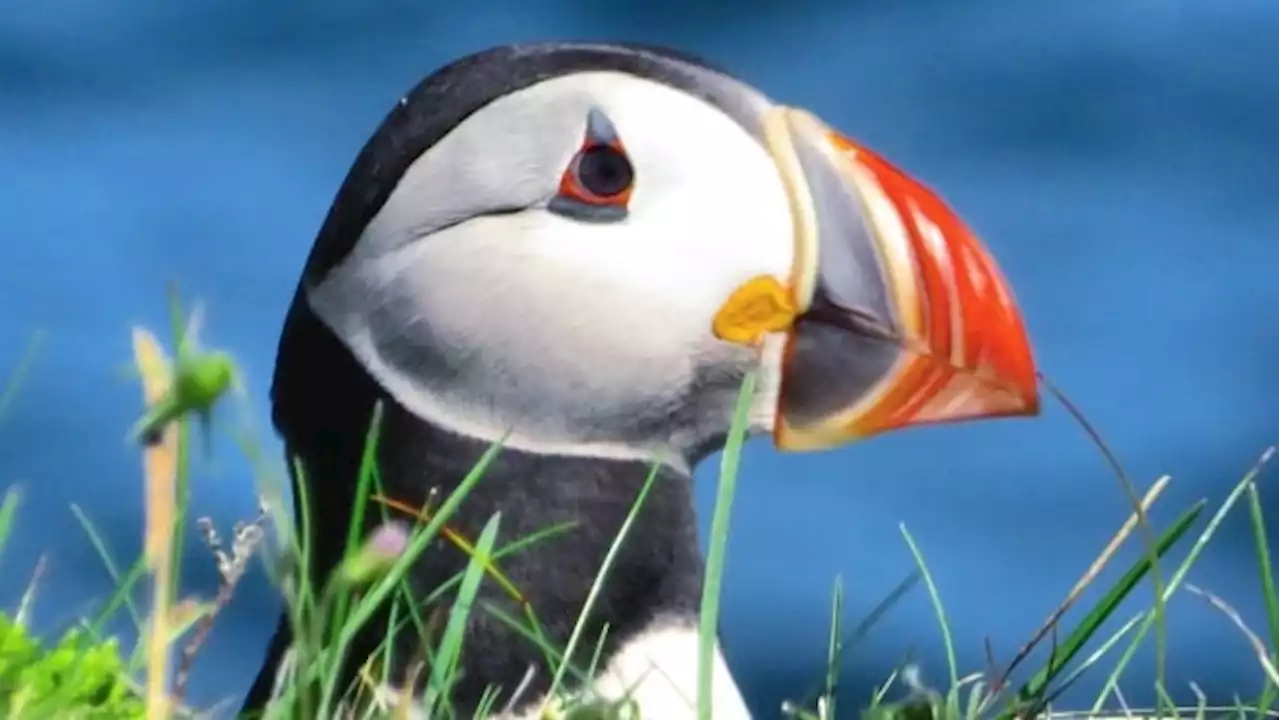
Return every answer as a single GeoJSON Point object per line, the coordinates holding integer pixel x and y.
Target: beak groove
{"type": "Point", "coordinates": [904, 317]}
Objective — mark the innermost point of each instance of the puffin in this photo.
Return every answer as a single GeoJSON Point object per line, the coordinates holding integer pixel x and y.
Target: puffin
{"type": "Point", "coordinates": [579, 251]}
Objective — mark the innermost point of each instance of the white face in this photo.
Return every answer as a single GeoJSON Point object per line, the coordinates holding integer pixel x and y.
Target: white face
{"type": "Point", "coordinates": [481, 310]}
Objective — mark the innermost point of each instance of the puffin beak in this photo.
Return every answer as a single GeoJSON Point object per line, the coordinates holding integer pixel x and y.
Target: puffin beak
{"type": "Point", "coordinates": [899, 317]}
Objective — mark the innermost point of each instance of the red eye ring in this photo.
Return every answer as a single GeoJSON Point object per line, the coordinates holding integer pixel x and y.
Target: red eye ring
{"type": "Point", "coordinates": [600, 174]}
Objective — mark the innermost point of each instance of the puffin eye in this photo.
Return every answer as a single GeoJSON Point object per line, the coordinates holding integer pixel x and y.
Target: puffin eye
{"type": "Point", "coordinates": [596, 186]}
{"type": "Point", "coordinates": [604, 172]}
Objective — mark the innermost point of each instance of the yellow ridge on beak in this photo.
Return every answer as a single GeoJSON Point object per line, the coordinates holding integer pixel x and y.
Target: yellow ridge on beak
{"type": "Point", "coordinates": [895, 315]}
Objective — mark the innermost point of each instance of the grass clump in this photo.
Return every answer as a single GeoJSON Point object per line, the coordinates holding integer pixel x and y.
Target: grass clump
{"type": "Point", "coordinates": [78, 677]}
{"type": "Point", "coordinates": [85, 675]}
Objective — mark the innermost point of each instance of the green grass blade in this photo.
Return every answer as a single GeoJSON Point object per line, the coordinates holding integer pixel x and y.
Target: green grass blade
{"type": "Point", "coordinates": [393, 626]}
{"type": "Point", "coordinates": [1094, 657]}
{"type": "Point", "coordinates": [488, 702]}
{"type": "Point", "coordinates": [19, 374]}
{"type": "Point", "coordinates": [1266, 574]}
{"type": "Point", "coordinates": [364, 481]}
{"type": "Point", "coordinates": [534, 634]}
{"type": "Point", "coordinates": [1175, 581]}
{"type": "Point", "coordinates": [718, 542]}
{"type": "Point", "coordinates": [355, 527]}
{"type": "Point", "coordinates": [828, 710]}
{"type": "Point", "coordinates": [182, 449]}
{"type": "Point", "coordinates": [8, 510]}
{"type": "Point", "coordinates": [553, 655]}
{"type": "Point", "coordinates": [411, 604]}
{"type": "Point", "coordinates": [953, 706]}
{"type": "Point", "coordinates": [392, 580]}
{"type": "Point", "coordinates": [1066, 651]}
{"type": "Point", "coordinates": [299, 591]}
{"type": "Point", "coordinates": [123, 594]}
{"type": "Point", "coordinates": [1164, 703]}
{"type": "Point", "coordinates": [539, 632]}
{"type": "Point", "coordinates": [977, 701]}
{"type": "Point", "coordinates": [422, 538]}
{"type": "Point", "coordinates": [882, 691]}
{"type": "Point", "coordinates": [450, 649]}
{"type": "Point", "coordinates": [861, 630]}
{"type": "Point", "coordinates": [447, 586]}
{"type": "Point", "coordinates": [598, 584]}
{"type": "Point", "coordinates": [598, 652]}
{"type": "Point", "coordinates": [300, 548]}
{"type": "Point", "coordinates": [1202, 702]}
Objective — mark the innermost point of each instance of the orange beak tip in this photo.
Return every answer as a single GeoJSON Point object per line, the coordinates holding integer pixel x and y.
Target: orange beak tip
{"type": "Point", "coordinates": [938, 336]}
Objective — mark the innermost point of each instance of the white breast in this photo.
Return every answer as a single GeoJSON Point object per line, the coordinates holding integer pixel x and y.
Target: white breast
{"type": "Point", "coordinates": [659, 666]}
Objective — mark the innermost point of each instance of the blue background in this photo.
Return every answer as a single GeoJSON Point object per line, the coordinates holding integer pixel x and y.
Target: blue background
{"type": "Point", "coordinates": [1117, 157]}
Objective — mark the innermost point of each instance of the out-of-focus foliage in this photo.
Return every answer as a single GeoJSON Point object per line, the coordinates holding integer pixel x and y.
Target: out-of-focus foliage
{"type": "Point", "coordinates": [76, 672]}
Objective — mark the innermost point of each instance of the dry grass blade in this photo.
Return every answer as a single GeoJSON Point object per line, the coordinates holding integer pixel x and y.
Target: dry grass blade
{"type": "Point", "coordinates": [1149, 533]}
{"type": "Point", "coordinates": [231, 568]}
{"type": "Point", "coordinates": [159, 462]}
{"type": "Point", "coordinates": [1088, 577]}
{"type": "Point", "coordinates": [1259, 647]}
{"type": "Point", "coordinates": [459, 541]}
{"type": "Point", "coordinates": [404, 703]}
{"type": "Point", "coordinates": [23, 616]}
{"type": "Point", "coordinates": [9, 391]}
{"type": "Point", "coordinates": [1125, 530]}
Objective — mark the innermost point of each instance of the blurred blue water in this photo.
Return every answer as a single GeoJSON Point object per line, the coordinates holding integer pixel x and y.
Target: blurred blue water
{"type": "Point", "coordinates": [1117, 157]}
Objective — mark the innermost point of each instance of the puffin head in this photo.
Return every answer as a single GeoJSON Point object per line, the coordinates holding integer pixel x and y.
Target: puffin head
{"type": "Point", "coordinates": [582, 249]}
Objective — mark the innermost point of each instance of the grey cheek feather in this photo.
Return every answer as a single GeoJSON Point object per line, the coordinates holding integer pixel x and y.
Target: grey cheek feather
{"type": "Point", "coordinates": [500, 163]}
